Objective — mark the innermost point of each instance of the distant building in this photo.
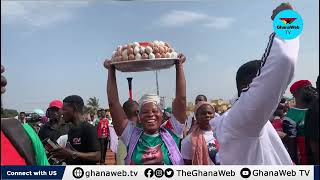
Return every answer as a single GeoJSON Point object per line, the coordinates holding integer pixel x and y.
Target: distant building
{"type": "Point", "coordinates": [220, 105]}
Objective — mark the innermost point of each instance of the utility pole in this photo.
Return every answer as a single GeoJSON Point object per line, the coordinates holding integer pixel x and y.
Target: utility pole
{"type": "Point", "coordinates": [130, 87]}
{"type": "Point", "coordinates": [157, 83]}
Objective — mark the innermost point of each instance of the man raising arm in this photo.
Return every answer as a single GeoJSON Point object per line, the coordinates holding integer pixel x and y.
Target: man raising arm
{"type": "Point", "coordinates": [244, 132]}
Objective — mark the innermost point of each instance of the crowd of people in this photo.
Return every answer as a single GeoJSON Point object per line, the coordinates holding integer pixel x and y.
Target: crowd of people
{"type": "Point", "coordinates": [259, 128]}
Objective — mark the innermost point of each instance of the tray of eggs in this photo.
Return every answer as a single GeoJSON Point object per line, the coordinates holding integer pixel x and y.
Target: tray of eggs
{"type": "Point", "coordinates": [144, 56]}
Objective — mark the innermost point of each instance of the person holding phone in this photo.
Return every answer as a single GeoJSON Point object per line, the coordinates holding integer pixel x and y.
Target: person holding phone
{"type": "Point", "coordinates": [82, 136]}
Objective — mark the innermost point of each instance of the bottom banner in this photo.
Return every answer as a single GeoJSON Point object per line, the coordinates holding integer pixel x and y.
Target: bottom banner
{"type": "Point", "coordinates": [161, 172]}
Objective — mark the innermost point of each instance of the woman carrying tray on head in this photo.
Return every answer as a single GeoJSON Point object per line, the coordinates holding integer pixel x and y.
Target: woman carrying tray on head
{"type": "Point", "coordinates": [150, 144]}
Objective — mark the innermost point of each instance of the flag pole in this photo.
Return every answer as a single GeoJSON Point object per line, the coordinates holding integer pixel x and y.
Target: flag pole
{"type": "Point", "coordinates": [130, 87]}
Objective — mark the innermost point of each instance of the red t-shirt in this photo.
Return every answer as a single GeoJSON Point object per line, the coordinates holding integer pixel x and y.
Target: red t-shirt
{"type": "Point", "coordinates": [277, 124]}
{"type": "Point", "coordinates": [103, 128]}
{"type": "Point", "coordinates": [9, 154]}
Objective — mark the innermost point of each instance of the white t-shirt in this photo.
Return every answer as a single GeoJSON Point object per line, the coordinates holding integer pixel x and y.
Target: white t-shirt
{"type": "Point", "coordinates": [186, 147]}
{"type": "Point", "coordinates": [189, 121]}
{"type": "Point", "coordinates": [244, 132]}
{"type": "Point", "coordinates": [177, 130]}
{"type": "Point", "coordinates": [113, 139]}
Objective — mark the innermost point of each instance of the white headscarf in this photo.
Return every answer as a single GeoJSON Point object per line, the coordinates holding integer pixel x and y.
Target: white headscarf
{"type": "Point", "coordinates": [147, 98]}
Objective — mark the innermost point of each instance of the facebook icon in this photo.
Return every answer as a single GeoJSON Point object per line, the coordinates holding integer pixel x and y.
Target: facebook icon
{"type": "Point", "coordinates": [148, 172]}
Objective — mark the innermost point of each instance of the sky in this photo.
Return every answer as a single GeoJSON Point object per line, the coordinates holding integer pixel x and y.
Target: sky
{"type": "Point", "coordinates": [52, 49]}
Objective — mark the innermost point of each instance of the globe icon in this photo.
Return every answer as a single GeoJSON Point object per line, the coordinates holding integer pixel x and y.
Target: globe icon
{"type": "Point", "coordinates": [78, 172]}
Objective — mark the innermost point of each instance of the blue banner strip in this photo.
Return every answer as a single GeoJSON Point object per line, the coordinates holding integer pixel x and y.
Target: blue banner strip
{"type": "Point", "coordinates": [32, 172]}
{"type": "Point", "coordinates": [316, 172]}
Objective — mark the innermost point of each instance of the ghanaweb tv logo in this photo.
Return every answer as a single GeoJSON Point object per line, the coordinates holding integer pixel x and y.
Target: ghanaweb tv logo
{"type": "Point", "coordinates": [288, 24]}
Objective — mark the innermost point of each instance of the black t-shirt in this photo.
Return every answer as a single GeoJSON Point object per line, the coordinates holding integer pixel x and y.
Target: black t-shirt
{"type": "Point", "coordinates": [84, 138]}
{"type": "Point", "coordinates": [311, 128]}
{"type": "Point", "coordinates": [48, 131]}
{"type": "Point", "coordinates": [312, 122]}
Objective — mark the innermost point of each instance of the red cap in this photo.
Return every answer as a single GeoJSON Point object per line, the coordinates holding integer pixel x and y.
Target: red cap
{"type": "Point", "coordinates": [299, 84]}
{"type": "Point", "coordinates": [56, 103]}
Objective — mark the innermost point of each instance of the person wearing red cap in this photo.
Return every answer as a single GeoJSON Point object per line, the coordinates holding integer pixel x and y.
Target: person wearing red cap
{"type": "Point", "coordinates": [293, 123]}
{"type": "Point", "coordinates": [82, 145]}
{"type": "Point", "coordinates": [56, 126]}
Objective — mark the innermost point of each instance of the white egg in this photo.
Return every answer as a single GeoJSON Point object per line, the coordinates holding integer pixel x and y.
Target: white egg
{"type": "Point", "coordinates": [142, 50]}
{"type": "Point", "coordinates": [152, 56]}
{"type": "Point", "coordinates": [174, 55]}
{"type": "Point", "coordinates": [168, 55]}
{"type": "Point", "coordinates": [125, 58]}
{"type": "Point", "coordinates": [156, 42]}
{"type": "Point", "coordinates": [149, 49]}
{"type": "Point", "coordinates": [135, 44]}
{"type": "Point", "coordinates": [161, 43]}
{"type": "Point", "coordinates": [136, 50]}
{"type": "Point", "coordinates": [138, 56]}
{"type": "Point", "coordinates": [125, 52]}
